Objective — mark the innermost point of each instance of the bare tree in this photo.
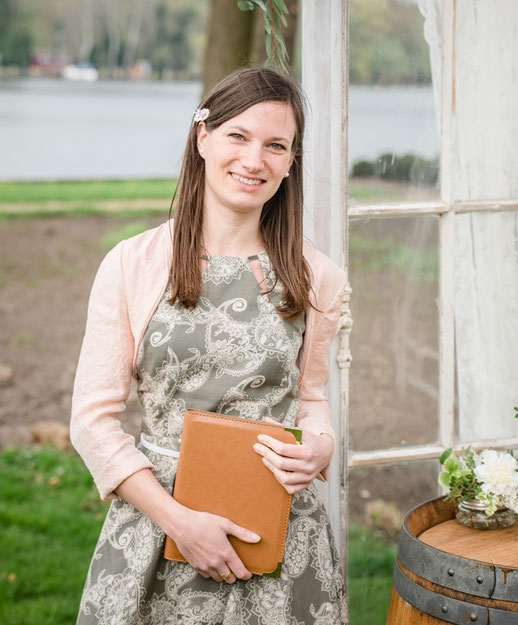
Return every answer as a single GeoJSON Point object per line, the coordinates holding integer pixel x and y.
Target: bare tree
{"type": "Point", "coordinates": [114, 38]}
{"type": "Point", "coordinates": [133, 36]}
{"type": "Point", "coordinates": [87, 30]}
{"type": "Point", "coordinates": [228, 41]}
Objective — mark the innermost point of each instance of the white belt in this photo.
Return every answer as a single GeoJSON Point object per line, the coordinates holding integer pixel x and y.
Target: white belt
{"type": "Point", "coordinates": [160, 450]}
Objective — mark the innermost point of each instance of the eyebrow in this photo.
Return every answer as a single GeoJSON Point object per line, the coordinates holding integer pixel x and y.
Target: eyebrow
{"type": "Point", "coordinates": [271, 138]}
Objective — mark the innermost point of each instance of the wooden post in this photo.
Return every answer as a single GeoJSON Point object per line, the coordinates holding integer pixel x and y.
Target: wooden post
{"type": "Point", "coordinates": [324, 79]}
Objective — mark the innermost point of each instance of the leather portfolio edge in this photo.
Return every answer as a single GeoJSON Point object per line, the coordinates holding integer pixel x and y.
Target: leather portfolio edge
{"type": "Point", "coordinates": [170, 545]}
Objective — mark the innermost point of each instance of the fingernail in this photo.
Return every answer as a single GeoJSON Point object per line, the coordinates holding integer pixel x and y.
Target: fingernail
{"type": "Point", "coordinates": [254, 536]}
{"type": "Point", "coordinates": [262, 438]}
{"type": "Point", "coordinates": [257, 447]}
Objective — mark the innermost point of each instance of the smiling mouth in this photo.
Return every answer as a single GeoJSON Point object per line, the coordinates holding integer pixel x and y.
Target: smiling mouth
{"type": "Point", "coordinates": [251, 182]}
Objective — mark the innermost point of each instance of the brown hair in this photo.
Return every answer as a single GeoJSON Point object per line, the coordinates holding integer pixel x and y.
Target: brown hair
{"type": "Point", "coordinates": [281, 218]}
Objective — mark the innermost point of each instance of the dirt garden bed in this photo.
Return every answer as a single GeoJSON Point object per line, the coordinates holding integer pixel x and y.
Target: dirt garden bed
{"type": "Point", "coordinates": [47, 266]}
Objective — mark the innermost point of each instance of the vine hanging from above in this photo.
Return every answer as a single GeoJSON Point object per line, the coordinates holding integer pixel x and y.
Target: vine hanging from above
{"type": "Point", "coordinates": [275, 12]}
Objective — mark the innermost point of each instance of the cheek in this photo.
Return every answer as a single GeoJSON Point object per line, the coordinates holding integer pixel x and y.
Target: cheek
{"type": "Point", "coordinates": [214, 165]}
{"type": "Point", "coordinates": [285, 165]}
{"type": "Point", "coordinates": [281, 170]}
{"type": "Point", "coordinates": [226, 160]}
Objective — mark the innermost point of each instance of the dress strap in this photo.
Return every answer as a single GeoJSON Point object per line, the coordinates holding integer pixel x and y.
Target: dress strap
{"type": "Point", "coordinates": [253, 257]}
{"type": "Point", "coordinates": [159, 450]}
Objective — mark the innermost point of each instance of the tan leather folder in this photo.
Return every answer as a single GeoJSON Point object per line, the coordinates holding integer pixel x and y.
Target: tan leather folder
{"type": "Point", "coordinates": [219, 472]}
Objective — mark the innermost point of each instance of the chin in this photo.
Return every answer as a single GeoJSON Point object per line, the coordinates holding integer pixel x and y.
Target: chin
{"type": "Point", "coordinates": [247, 207]}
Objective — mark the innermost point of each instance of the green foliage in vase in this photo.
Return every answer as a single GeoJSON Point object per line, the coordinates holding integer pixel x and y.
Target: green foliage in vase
{"type": "Point", "coordinates": [458, 477]}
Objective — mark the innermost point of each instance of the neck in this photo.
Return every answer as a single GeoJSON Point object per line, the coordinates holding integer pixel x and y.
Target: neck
{"type": "Point", "coordinates": [231, 234]}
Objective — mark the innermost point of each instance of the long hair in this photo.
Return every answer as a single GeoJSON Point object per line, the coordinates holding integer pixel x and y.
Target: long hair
{"type": "Point", "coordinates": [281, 218]}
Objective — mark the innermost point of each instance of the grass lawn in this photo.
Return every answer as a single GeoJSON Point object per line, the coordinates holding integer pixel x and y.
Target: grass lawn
{"type": "Point", "coordinates": [51, 516]}
{"type": "Point", "coordinates": [363, 190]}
{"type": "Point", "coordinates": [87, 197]}
{"type": "Point", "coordinates": [370, 565]}
{"type": "Point", "coordinates": [90, 190]}
{"type": "Point", "coordinates": [122, 197]}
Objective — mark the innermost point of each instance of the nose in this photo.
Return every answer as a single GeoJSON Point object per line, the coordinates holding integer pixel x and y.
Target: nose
{"type": "Point", "coordinates": [252, 157]}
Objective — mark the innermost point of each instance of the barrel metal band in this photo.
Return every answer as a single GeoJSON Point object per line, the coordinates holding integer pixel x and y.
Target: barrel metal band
{"type": "Point", "coordinates": [470, 576]}
{"type": "Point", "coordinates": [448, 609]}
{"type": "Point", "coordinates": [506, 584]}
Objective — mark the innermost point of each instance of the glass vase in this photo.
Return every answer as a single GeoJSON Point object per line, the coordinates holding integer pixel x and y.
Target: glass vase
{"type": "Point", "coordinates": [472, 514]}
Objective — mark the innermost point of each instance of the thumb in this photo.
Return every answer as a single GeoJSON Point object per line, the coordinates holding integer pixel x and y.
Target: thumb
{"type": "Point", "coordinates": [243, 534]}
{"type": "Point", "coordinates": [268, 420]}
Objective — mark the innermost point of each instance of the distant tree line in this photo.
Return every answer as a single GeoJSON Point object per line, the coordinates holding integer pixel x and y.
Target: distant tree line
{"type": "Point", "coordinates": [170, 35]}
{"type": "Point", "coordinates": [204, 38]}
{"type": "Point", "coordinates": [112, 35]}
{"type": "Point", "coordinates": [406, 168]}
{"type": "Point", "coordinates": [16, 40]}
{"type": "Point", "coordinates": [386, 43]}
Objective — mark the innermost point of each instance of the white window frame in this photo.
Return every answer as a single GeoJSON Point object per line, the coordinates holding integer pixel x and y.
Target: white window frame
{"type": "Point", "coordinates": [324, 49]}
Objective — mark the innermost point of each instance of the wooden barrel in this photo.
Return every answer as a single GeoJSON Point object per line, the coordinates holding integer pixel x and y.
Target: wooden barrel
{"type": "Point", "coordinates": [448, 573]}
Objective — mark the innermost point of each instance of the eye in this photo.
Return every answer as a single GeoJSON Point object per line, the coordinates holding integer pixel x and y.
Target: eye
{"type": "Point", "coordinates": [277, 146]}
{"type": "Point", "coordinates": [236, 135]}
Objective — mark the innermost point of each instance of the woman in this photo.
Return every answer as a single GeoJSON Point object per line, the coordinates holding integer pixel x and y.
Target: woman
{"type": "Point", "coordinates": [224, 310]}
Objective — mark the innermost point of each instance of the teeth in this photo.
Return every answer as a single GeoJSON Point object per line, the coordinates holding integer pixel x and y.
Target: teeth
{"type": "Point", "coordinates": [252, 183]}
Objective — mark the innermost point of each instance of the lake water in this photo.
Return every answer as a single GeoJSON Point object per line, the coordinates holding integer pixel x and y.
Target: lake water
{"type": "Point", "coordinates": [55, 129]}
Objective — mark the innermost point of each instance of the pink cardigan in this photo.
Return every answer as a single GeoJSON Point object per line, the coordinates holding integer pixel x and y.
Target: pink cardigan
{"type": "Point", "coordinates": [127, 288]}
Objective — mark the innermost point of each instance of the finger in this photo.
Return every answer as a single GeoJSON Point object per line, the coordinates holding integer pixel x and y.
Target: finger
{"type": "Point", "coordinates": [287, 478]}
{"type": "Point", "coordinates": [227, 577]}
{"type": "Point", "coordinates": [242, 533]}
{"type": "Point", "coordinates": [237, 568]}
{"type": "Point", "coordinates": [233, 561]}
{"type": "Point", "coordinates": [292, 489]}
{"type": "Point", "coordinates": [272, 421]}
{"type": "Point", "coordinates": [290, 450]}
{"type": "Point", "coordinates": [296, 488]}
{"type": "Point", "coordinates": [282, 462]}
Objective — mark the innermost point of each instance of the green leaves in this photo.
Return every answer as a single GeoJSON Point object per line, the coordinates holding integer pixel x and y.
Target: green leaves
{"type": "Point", "coordinates": [452, 465]}
{"type": "Point", "coordinates": [444, 455]}
{"type": "Point", "coordinates": [458, 477]}
{"type": "Point", "coordinates": [445, 479]}
{"type": "Point", "coordinates": [275, 12]}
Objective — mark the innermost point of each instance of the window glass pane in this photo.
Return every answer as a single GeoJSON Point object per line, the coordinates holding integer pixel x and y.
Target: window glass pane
{"type": "Point", "coordinates": [393, 131]}
{"type": "Point", "coordinates": [379, 497]}
{"type": "Point", "coordinates": [393, 265]}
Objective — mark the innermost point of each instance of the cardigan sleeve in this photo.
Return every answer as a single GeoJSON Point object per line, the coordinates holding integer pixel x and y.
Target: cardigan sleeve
{"type": "Point", "coordinates": [102, 383]}
{"type": "Point", "coordinates": [313, 411]}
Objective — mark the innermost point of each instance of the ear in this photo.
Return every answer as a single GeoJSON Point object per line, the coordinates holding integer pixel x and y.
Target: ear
{"type": "Point", "coordinates": [201, 134]}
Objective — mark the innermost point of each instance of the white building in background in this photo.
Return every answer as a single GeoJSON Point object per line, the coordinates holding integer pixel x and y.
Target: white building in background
{"type": "Point", "coordinates": [82, 71]}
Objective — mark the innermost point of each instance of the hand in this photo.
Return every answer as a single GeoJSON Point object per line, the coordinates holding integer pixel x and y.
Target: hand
{"type": "Point", "coordinates": [202, 539]}
{"type": "Point", "coordinates": [295, 466]}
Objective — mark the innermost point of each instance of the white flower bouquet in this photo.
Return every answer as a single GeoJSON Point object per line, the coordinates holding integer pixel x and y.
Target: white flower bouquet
{"type": "Point", "coordinates": [490, 478]}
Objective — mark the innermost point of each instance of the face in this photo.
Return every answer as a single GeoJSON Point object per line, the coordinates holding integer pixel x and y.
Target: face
{"type": "Point", "coordinates": [247, 157]}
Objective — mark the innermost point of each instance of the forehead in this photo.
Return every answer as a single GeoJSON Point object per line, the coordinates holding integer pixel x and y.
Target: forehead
{"type": "Point", "coordinates": [266, 118]}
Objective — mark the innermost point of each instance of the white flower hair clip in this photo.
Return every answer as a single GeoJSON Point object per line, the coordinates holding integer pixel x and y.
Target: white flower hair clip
{"type": "Point", "coordinates": [201, 115]}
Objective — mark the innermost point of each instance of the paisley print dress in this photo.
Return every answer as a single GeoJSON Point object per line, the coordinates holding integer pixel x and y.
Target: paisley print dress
{"type": "Point", "coordinates": [235, 355]}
